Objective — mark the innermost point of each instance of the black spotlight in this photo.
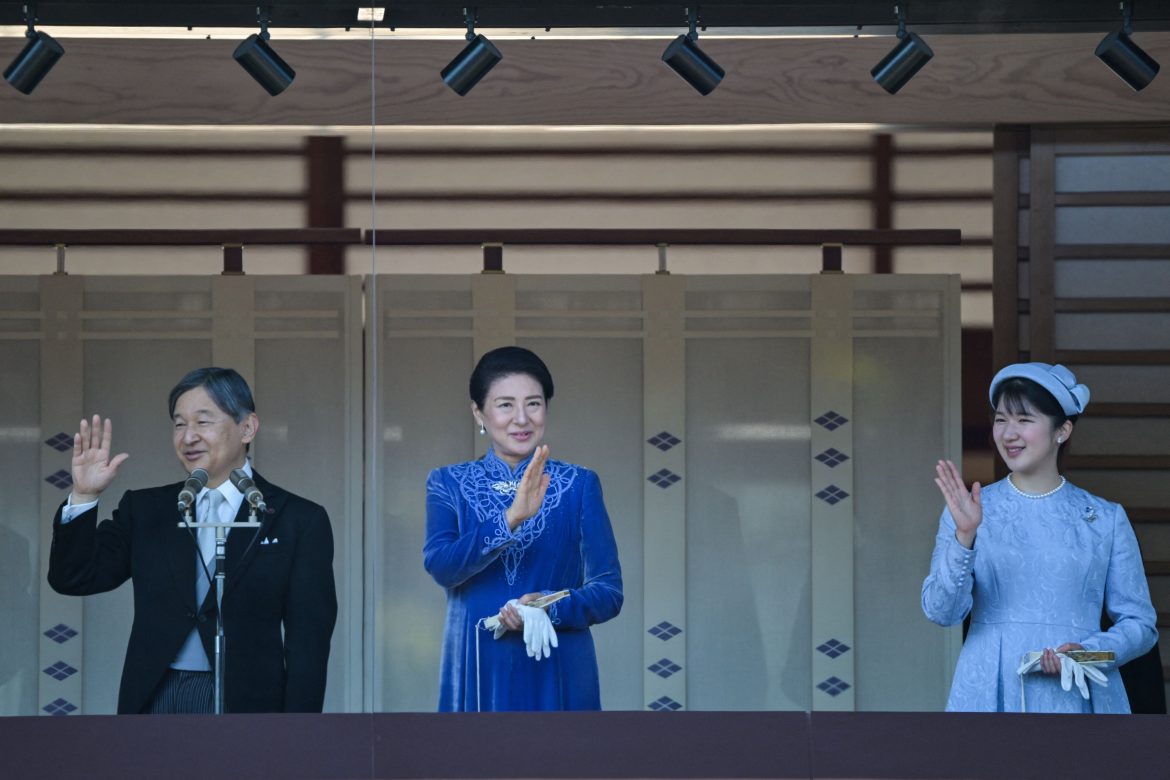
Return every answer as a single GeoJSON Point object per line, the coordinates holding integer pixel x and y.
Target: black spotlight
{"type": "Point", "coordinates": [1126, 58]}
{"type": "Point", "coordinates": [261, 62]}
{"type": "Point", "coordinates": [903, 61]}
{"type": "Point", "coordinates": [685, 58]}
{"type": "Point", "coordinates": [36, 59]}
{"type": "Point", "coordinates": [470, 65]}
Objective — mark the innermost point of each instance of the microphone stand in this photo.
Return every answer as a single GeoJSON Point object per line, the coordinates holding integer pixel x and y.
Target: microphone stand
{"type": "Point", "coordinates": [221, 530]}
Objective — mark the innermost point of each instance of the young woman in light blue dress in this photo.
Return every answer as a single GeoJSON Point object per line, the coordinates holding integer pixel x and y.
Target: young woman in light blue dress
{"type": "Point", "coordinates": [1035, 561]}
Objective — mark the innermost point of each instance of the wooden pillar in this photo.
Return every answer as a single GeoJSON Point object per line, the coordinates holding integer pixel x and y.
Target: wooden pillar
{"type": "Point", "coordinates": [326, 199]}
{"type": "Point", "coordinates": [883, 198]}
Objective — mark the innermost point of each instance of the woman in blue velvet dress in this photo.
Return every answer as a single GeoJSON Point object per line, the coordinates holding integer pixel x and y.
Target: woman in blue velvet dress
{"type": "Point", "coordinates": [1034, 560]}
{"type": "Point", "coordinates": [505, 530]}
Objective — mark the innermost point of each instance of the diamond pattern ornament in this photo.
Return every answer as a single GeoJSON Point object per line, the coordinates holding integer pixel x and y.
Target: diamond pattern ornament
{"type": "Point", "coordinates": [664, 668]}
{"type": "Point", "coordinates": [832, 457]}
{"type": "Point", "coordinates": [831, 420]}
{"type": "Point", "coordinates": [664, 441]}
{"type": "Point", "coordinates": [663, 478]}
{"type": "Point", "coordinates": [59, 707]}
{"type": "Point", "coordinates": [664, 703]}
{"type": "Point", "coordinates": [664, 631]}
{"type": "Point", "coordinates": [834, 686]}
{"type": "Point", "coordinates": [60, 633]}
{"type": "Point", "coordinates": [834, 648]}
{"type": "Point", "coordinates": [60, 671]}
{"type": "Point", "coordinates": [60, 442]}
{"type": "Point", "coordinates": [832, 495]}
{"type": "Point", "coordinates": [60, 479]}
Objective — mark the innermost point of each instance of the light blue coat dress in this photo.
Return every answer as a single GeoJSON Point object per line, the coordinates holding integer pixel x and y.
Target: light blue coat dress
{"type": "Point", "coordinates": [568, 544]}
{"type": "Point", "coordinates": [1041, 571]}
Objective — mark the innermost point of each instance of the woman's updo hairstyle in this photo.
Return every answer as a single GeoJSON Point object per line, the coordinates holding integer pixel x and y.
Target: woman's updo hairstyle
{"type": "Point", "coordinates": [507, 361]}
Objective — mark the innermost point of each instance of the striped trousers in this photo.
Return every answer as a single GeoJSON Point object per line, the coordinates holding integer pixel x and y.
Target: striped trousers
{"type": "Point", "coordinates": [183, 692]}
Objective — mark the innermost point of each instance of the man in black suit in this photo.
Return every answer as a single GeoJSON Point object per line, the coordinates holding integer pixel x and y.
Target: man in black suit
{"type": "Point", "coordinates": [279, 576]}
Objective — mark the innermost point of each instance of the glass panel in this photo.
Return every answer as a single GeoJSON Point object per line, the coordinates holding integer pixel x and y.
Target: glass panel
{"type": "Point", "coordinates": [424, 422]}
{"type": "Point", "coordinates": [1113, 173]}
{"type": "Point", "coordinates": [1113, 224]}
{"type": "Point", "coordinates": [1126, 384]}
{"type": "Point", "coordinates": [303, 446]}
{"type": "Point", "coordinates": [748, 549]}
{"type": "Point", "coordinates": [595, 420]}
{"type": "Point", "coordinates": [138, 410]}
{"type": "Point", "coordinates": [1128, 488]}
{"type": "Point", "coordinates": [896, 517]}
{"type": "Point", "coordinates": [1112, 278]}
{"type": "Point", "coordinates": [1146, 330]}
{"type": "Point", "coordinates": [1120, 436]}
{"type": "Point", "coordinates": [1154, 539]}
{"type": "Point", "coordinates": [22, 458]}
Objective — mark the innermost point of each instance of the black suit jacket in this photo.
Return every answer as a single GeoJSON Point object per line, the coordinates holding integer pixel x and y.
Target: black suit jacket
{"type": "Point", "coordinates": [282, 579]}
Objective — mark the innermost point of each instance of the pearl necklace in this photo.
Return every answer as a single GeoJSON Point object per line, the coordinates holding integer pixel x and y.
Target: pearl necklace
{"type": "Point", "coordinates": [1063, 482]}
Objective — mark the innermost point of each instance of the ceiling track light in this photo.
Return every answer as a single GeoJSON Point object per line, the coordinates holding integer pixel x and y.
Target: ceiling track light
{"type": "Point", "coordinates": [470, 65]}
{"type": "Point", "coordinates": [1126, 58]}
{"type": "Point", "coordinates": [685, 58]}
{"type": "Point", "coordinates": [903, 61]}
{"type": "Point", "coordinates": [36, 59]}
{"type": "Point", "coordinates": [261, 62]}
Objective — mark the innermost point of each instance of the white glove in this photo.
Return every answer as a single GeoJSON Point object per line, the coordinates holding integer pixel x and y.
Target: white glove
{"type": "Point", "coordinates": [1079, 673]}
{"type": "Point", "coordinates": [539, 634]}
{"type": "Point", "coordinates": [1070, 670]}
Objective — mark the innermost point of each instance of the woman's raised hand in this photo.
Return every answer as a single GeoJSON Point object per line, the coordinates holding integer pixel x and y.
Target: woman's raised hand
{"type": "Point", "coordinates": [965, 505]}
{"type": "Point", "coordinates": [530, 492]}
{"type": "Point", "coordinates": [93, 468]}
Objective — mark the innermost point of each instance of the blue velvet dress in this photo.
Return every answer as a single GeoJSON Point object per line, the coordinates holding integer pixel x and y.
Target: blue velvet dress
{"type": "Point", "coordinates": [469, 550]}
{"type": "Point", "coordinates": [1041, 571]}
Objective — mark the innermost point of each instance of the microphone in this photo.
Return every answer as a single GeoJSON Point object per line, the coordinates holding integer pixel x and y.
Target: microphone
{"type": "Point", "coordinates": [252, 494]}
{"type": "Point", "coordinates": [196, 482]}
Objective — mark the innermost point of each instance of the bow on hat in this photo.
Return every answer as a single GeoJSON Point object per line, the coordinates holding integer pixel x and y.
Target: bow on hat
{"type": "Point", "coordinates": [1056, 379]}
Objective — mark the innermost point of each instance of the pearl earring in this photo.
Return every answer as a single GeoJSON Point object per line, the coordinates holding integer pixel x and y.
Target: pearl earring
{"type": "Point", "coordinates": [482, 430]}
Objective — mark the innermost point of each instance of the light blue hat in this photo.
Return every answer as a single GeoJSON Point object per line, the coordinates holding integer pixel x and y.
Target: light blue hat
{"type": "Point", "coordinates": [1057, 380]}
